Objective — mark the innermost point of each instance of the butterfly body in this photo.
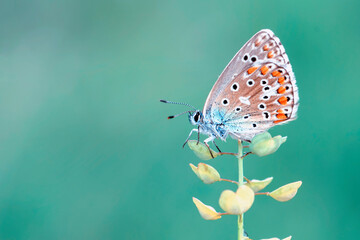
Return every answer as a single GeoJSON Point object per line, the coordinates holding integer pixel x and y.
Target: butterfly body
{"type": "Point", "coordinates": [206, 126]}
{"type": "Point", "coordinates": [256, 91]}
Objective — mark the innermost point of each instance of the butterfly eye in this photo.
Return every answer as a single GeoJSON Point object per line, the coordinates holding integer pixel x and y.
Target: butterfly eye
{"type": "Point", "coordinates": [250, 82]}
{"type": "Point", "coordinates": [237, 109]}
{"type": "Point", "coordinates": [262, 106]}
{"type": "Point", "coordinates": [266, 115]}
{"type": "Point", "coordinates": [253, 59]}
{"type": "Point", "coordinates": [264, 82]}
{"type": "Point", "coordinates": [235, 87]}
{"type": "Point", "coordinates": [225, 101]}
{"type": "Point", "coordinates": [196, 117]}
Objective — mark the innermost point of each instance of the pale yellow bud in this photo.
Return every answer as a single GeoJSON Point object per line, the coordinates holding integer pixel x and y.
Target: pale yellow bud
{"type": "Point", "coordinates": [258, 185]}
{"type": "Point", "coordinates": [206, 212]}
{"type": "Point", "coordinates": [206, 173]}
{"type": "Point", "coordinates": [237, 202]}
{"type": "Point", "coordinates": [263, 144]}
{"type": "Point", "coordinates": [201, 150]}
{"type": "Point", "coordinates": [286, 192]}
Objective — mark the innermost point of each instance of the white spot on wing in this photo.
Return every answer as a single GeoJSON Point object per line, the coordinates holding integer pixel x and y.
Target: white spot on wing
{"type": "Point", "coordinates": [245, 100]}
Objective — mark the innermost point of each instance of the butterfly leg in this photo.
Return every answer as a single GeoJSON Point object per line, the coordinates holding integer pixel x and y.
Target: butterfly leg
{"type": "Point", "coordinates": [217, 146]}
{"type": "Point", "coordinates": [194, 130]}
{"type": "Point", "coordinates": [198, 135]}
{"type": "Point", "coordinates": [209, 139]}
{"type": "Point", "coordinates": [246, 154]}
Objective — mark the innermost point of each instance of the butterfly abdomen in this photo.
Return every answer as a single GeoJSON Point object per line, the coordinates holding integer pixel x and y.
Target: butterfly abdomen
{"type": "Point", "coordinates": [220, 129]}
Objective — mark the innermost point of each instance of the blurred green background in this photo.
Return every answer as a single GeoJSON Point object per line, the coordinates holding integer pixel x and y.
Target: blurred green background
{"type": "Point", "coordinates": [86, 151]}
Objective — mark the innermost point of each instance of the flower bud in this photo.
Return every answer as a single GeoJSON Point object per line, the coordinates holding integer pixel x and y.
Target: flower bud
{"type": "Point", "coordinates": [237, 202]}
{"type": "Point", "coordinates": [206, 212]}
{"type": "Point", "coordinates": [206, 173]}
{"type": "Point", "coordinates": [263, 144]}
{"type": "Point", "coordinates": [258, 185]}
{"type": "Point", "coordinates": [286, 192]}
{"type": "Point", "coordinates": [201, 150]}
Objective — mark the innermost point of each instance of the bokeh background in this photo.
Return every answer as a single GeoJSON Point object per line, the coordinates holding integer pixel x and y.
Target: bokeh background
{"type": "Point", "coordinates": [86, 151]}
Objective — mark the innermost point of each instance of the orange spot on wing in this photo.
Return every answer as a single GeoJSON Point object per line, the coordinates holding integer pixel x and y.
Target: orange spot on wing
{"type": "Point", "coordinates": [266, 48]}
{"type": "Point", "coordinates": [282, 100]}
{"type": "Point", "coordinates": [270, 54]}
{"type": "Point", "coordinates": [280, 111]}
{"type": "Point", "coordinates": [251, 70]}
{"type": "Point", "coordinates": [276, 73]}
{"type": "Point", "coordinates": [281, 80]}
{"type": "Point", "coordinates": [264, 70]}
{"type": "Point", "coordinates": [281, 90]}
{"type": "Point", "coordinates": [281, 116]}
{"type": "Point", "coordinates": [257, 43]}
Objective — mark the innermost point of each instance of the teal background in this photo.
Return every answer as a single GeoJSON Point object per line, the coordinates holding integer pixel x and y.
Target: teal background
{"type": "Point", "coordinates": [86, 151]}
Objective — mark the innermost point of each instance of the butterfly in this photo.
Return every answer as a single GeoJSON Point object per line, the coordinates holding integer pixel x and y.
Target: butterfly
{"type": "Point", "coordinates": [256, 91]}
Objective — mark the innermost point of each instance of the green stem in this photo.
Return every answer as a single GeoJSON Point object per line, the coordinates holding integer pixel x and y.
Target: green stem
{"type": "Point", "coordinates": [241, 182]}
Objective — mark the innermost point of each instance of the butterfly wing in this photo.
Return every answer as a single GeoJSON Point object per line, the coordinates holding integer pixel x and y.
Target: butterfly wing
{"type": "Point", "coordinates": [257, 89]}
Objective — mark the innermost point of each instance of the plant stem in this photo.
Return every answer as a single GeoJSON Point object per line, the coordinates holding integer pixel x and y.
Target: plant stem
{"type": "Point", "coordinates": [246, 179]}
{"type": "Point", "coordinates": [227, 153]}
{"type": "Point", "coordinates": [241, 182]}
{"type": "Point", "coordinates": [227, 180]}
{"type": "Point", "coordinates": [262, 193]}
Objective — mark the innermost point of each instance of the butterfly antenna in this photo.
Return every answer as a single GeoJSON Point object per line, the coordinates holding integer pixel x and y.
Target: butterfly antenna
{"type": "Point", "coordinates": [174, 116]}
{"type": "Point", "coordinates": [179, 103]}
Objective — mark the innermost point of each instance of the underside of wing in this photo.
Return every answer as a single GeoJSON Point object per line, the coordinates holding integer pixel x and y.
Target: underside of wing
{"type": "Point", "coordinates": [257, 90]}
{"type": "Point", "coordinates": [243, 60]}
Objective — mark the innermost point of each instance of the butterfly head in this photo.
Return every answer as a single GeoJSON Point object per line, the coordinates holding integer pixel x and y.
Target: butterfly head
{"type": "Point", "coordinates": [196, 118]}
